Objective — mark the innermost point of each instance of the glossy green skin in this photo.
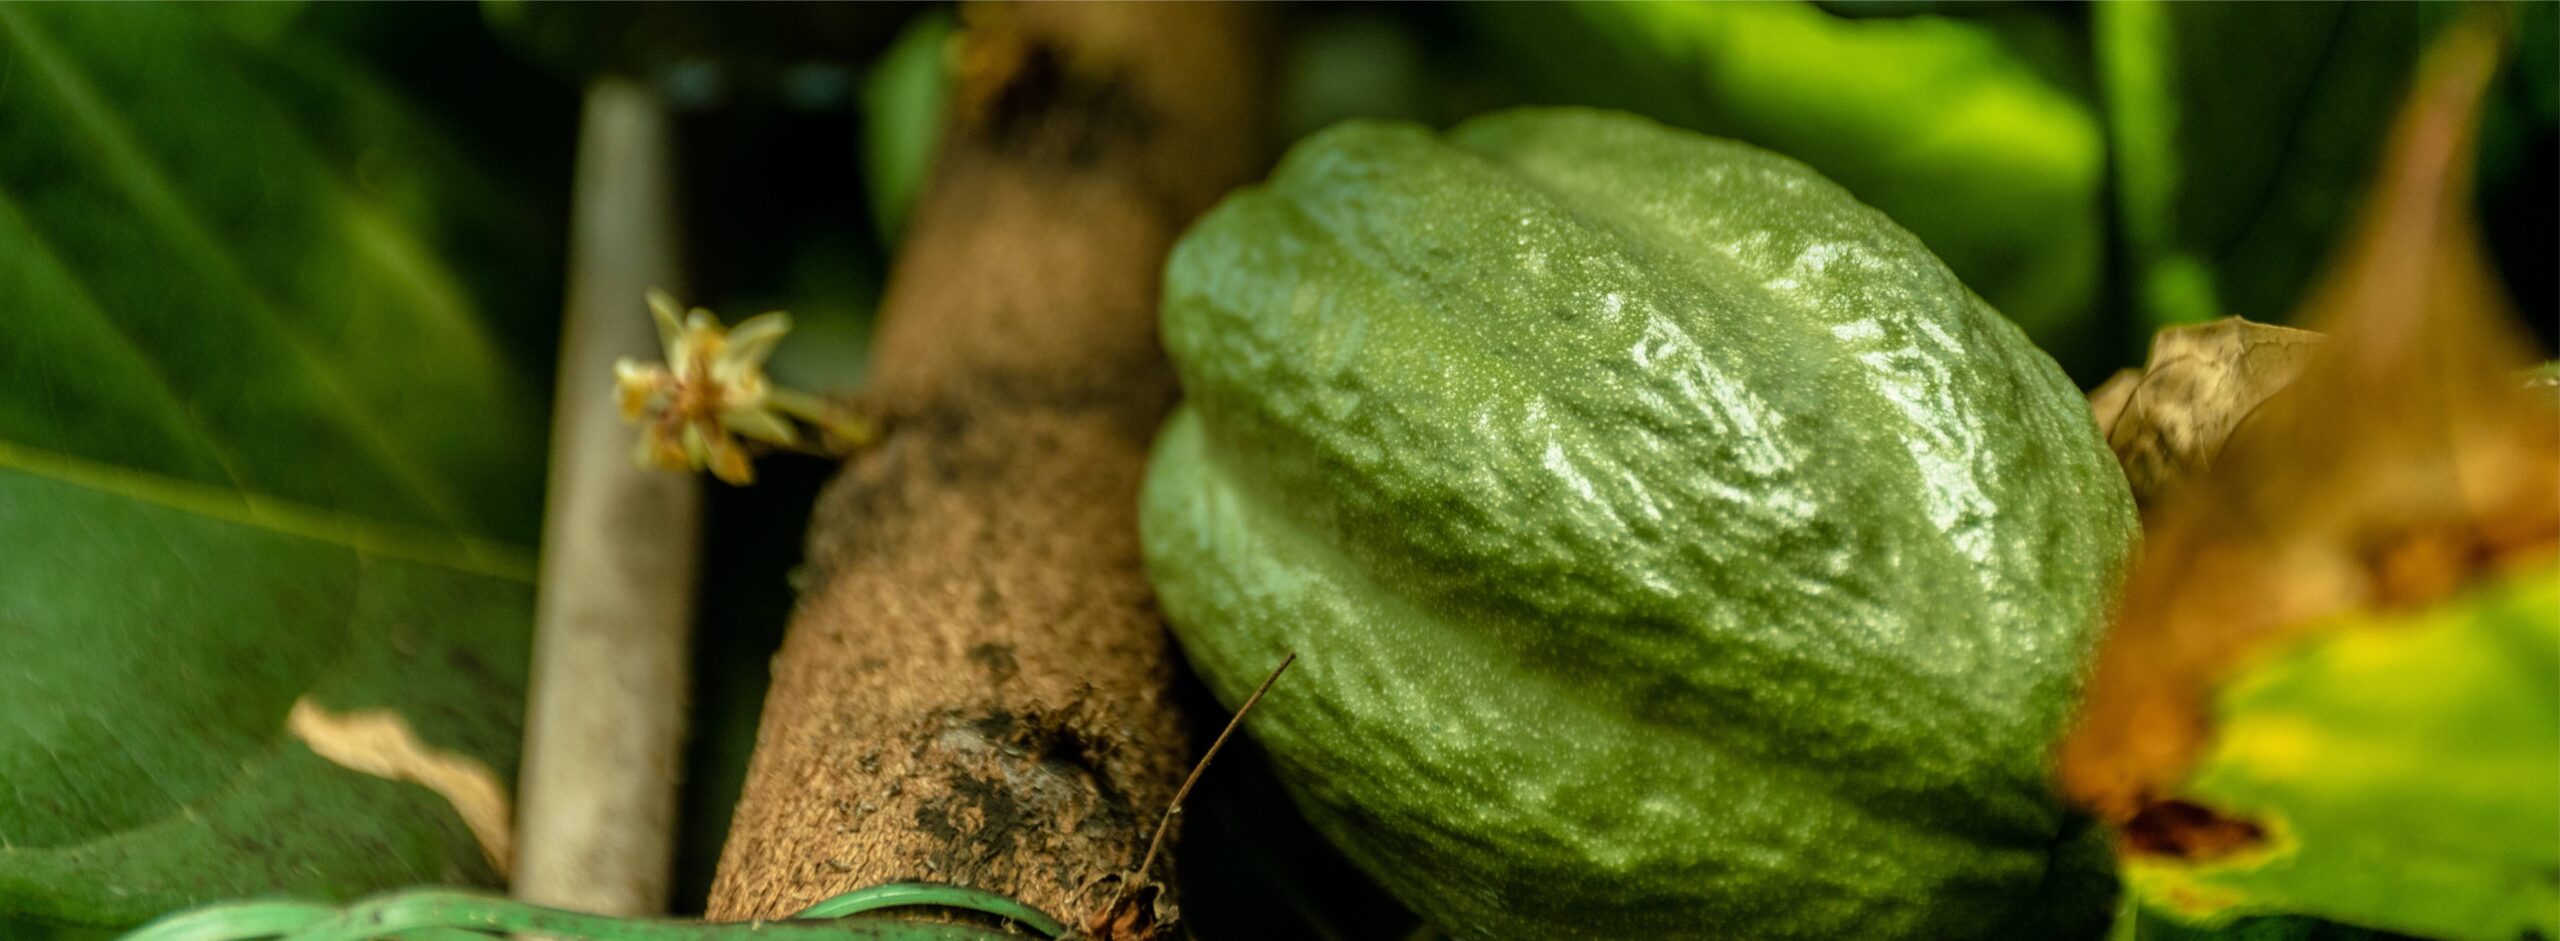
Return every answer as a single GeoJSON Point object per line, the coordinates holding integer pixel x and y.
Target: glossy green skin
{"type": "Point", "coordinates": [1674, 548]}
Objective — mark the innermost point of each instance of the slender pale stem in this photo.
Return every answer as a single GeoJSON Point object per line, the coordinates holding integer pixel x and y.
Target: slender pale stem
{"type": "Point", "coordinates": [605, 723]}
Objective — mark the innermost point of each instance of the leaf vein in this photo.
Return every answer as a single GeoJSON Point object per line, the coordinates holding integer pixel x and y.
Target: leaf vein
{"type": "Point", "coordinates": [444, 550]}
{"type": "Point", "coordinates": [139, 172]}
{"type": "Point", "coordinates": [139, 354]}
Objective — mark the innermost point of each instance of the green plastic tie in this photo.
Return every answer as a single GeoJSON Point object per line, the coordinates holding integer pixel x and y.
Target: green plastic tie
{"type": "Point", "coordinates": [446, 915]}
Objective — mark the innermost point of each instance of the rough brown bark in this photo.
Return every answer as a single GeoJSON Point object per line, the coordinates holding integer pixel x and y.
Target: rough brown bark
{"type": "Point", "coordinates": [976, 689]}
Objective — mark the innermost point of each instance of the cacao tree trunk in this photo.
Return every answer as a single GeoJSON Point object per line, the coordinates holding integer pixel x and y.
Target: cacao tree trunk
{"type": "Point", "coordinates": [975, 688]}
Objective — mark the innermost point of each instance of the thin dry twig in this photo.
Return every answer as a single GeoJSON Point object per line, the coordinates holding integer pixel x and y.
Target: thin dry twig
{"type": "Point", "coordinates": [1138, 877]}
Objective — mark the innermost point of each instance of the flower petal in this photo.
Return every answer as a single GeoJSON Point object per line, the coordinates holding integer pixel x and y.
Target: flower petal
{"type": "Point", "coordinates": [661, 450]}
{"type": "Point", "coordinates": [729, 462]}
{"type": "Point", "coordinates": [761, 424]}
{"type": "Point", "coordinates": [743, 392]}
{"type": "Point", "coordinates": [751, 341]}
{"type": "Point", "coordinates": [697, 346]}
{"type": "Point", "coordinates": [636, 387]}
{"type": "Point", "coordinates": [670, 323]}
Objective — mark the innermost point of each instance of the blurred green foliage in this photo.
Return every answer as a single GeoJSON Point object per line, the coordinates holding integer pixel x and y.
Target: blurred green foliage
{"type": "Point", "coordinates": [2244, 136]}
{"type": "Point", "coordinates": [1956, 129]}
{"type": "Point", "coordinates": [708, 51]}
{"type": "Point", "coordinates": [2095, 172]}
{"type": "Point", "coordinates": [259, 443]}
{"type": "Point", "coordinates": [1354, 63]}
{"type": "Point", "coordinates": [902, 101]}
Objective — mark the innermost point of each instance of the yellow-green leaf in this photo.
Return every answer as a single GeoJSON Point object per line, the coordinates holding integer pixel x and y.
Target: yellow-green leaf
{"type": "Point", "coordinates": [2402, 767]}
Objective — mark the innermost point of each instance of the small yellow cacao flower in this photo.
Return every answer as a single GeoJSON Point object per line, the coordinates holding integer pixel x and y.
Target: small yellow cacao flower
{"type": "Point", "coordinates": [712, 391]}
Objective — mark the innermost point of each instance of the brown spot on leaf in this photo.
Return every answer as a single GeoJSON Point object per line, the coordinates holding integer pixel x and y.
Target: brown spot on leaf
{"type": "Point", "coordinates": [379, 742]}
{"type": "Point", "coordinates": [2189, 831]}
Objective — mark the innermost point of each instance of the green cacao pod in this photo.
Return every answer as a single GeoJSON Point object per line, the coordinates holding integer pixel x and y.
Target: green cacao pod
{"type": "Point", "coordinates": [1673, 546]}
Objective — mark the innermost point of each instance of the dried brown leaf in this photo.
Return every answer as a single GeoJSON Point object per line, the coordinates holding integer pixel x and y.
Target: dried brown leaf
{"type": "Point", "coordinates": [2403, 461]}
{"type": "Point", "coordinates": [2169, 421]}
{"type": "Point", "coordinates": [2107, 401]}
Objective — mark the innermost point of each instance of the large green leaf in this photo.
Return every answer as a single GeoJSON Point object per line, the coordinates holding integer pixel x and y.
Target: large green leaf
{"type": "Point", "coordinates": [1941, 123]}
{"type": "Point", "coordinates": [2244, 134]}
{"type": "Point", "coordinates": [257, 449]}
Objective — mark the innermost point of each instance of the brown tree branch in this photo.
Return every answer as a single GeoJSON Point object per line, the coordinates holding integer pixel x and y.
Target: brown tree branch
{"type": "Point", "coordinates": [976, 689]}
